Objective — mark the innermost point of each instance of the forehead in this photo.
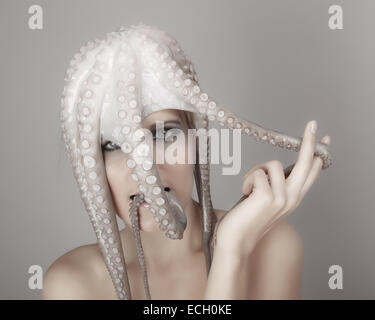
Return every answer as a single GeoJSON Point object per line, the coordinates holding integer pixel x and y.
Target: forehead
{"type": "Point", "coordinates": [164, 115]}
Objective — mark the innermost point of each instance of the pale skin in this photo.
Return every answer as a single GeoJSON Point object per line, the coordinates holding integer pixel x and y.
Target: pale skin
{"type": "Point", "coordinates": [262, 259]}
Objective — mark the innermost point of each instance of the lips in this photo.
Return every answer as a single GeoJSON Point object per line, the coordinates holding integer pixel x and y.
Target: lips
{"type": "Point", "coordinates": [145, 204]}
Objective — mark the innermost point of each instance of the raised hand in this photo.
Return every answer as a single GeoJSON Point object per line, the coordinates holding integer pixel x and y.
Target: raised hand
{"type": "Point", "coordinates": [271, 197]}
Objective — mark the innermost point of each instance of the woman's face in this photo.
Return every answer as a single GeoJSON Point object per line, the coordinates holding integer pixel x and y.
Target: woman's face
{"type": "Point", "coordinates": [175, 178]}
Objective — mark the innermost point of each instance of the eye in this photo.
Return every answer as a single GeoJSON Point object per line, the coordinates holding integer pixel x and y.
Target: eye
{"type": "Point", "coordinates": [167, 134]}
{"type": "Point", "coordinates": [109, 146]}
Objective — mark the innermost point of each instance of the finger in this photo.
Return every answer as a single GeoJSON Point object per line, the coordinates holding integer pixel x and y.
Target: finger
{"type": "Point", "coordinates": [252, 170]}
{"type": "Point", "coordinates": [275, 171]}
{"type": "Point", "coordinates": [304, 163]}
{"type": "Point", "coordinates": [315, 170]}
{"type": "Point", "coordinates": [326, 140]}
{"type": "Point", "coordinates": [248, 185]}
{"type": "Point", "coordinates": [256, 180]}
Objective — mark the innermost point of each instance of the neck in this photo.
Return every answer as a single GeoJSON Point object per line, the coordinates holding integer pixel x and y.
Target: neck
{"type": "Point", "coordinates": [161, 251]}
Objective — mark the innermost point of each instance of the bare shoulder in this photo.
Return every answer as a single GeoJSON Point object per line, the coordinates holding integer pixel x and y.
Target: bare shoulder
{"type": "Point", "coordinates": [282, 239]}
{"type": "Point", "coordinates": [276, 264]}
{"type": "Point", "coordinates": [78, 274]}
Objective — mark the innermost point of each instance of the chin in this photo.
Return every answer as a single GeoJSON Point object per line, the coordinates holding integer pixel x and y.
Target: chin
{"type": "Point", "coordinates": [149, 227]}
{"type": "Point", "coordinates": [146, 221]}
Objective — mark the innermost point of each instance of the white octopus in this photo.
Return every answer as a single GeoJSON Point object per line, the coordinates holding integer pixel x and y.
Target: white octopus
{"type": "Point", "coordinates": [103, 98]}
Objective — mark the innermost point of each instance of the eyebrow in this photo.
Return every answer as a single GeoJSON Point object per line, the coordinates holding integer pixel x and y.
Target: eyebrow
{"type": "Point", "coordinates": [177, 121]}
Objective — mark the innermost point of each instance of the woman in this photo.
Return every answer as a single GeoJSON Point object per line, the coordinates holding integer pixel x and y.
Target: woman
{"type": "Point", "coordinates": [256, 255]}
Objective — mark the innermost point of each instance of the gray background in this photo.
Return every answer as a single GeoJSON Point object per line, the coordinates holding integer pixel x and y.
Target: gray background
{"type": "Point", "coordinates": [274, 62]}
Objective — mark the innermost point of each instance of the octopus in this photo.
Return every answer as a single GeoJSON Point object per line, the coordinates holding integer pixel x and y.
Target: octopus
{"type": "Point", "coordinates": [111, 86]}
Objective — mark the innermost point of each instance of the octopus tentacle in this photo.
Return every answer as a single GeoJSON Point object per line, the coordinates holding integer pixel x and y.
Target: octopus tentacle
{"type": "Point", "coordinates": [80, 126]}
{"type": "Point", "coordinates": [138, 145]}
{"type": "Point", "coordinates": [275, 138]}
{"type": "Point", "coordinates": [133, 213]}
{"type": "Point", "coordinates": [202, 176]}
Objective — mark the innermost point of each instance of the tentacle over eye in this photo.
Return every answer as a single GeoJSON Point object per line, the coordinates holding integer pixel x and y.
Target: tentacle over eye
{"type": "Point", "coordinates": [137, 143]}
{"type": "Point", "coordinates": [165, 207]}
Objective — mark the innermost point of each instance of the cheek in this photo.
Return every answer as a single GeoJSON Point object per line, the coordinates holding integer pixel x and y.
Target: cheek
{"type": "Point", "coordinates": [184, 176]}
{"type": "Point", "coordinates": [183, 181]}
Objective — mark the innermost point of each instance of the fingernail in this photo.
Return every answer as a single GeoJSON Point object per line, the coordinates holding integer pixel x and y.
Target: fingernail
{"type": "Point", "coordinates": [313, 126]}
{"type": "Point", "coordinates": [327, 140]}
